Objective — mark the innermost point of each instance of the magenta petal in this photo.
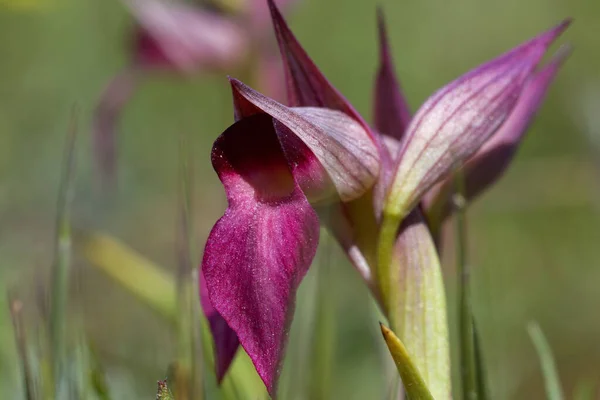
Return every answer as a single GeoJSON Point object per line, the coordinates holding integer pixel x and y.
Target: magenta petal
{"type": "Point", "coordinates": [454, 122]}
{"type": "Point", "coordinates": [306, 84]}
{"type": "Point", "coordinates": [338, 142]}
{"type": "Point", "coordinates": [225, 339]}
{"type": "Point", "coordinates": [258, 252]}
{"type": "Point", "coordinates": [105, 120]}
{"type": "Point", "coordinates": [259, 11]}
{"type": "Point", "coordinates": [493, 158]}
{"type": "Point", "coordinates": [391, 113]}
{"type": "Point", "coordinates": [175, 35]}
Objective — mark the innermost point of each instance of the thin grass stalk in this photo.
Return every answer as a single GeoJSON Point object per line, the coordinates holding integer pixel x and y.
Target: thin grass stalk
{"type": "Point", "coordinates": [62, 260]}
{"type": "Point", "coordinates": [551, 379]}
{"type": "Point", "coordinates": [482, 387]}
{"type": "Point", "coordinates": [468, 367]}
{"type": "Point", "coordinates": [16, 315]}
{"type": "Point", "coordinates": [189, 383]}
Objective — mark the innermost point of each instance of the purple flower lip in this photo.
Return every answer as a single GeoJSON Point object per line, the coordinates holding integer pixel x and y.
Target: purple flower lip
{"type": "Point", "coordinates": [258, 252]}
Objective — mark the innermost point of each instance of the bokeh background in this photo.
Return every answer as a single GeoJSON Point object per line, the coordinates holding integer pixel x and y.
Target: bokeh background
{"type": "Point", "coordinates": [534, 238]}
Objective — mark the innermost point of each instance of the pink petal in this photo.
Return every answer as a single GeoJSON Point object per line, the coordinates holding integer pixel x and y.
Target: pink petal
{"type": "Point", "coordinates": [306, 84]}
{"type": "Point", "coordinates": [258, 11]}
{"type": "Point", "coordinates": [391, 113]}
{"type": "Point", "coordinates": [454, 122]}
{"type": "Point", "coordinates": [175, 35]}
{"type": "Point", "coordinates": [346, 156]}
{"type": "Point", "coordinates": [308, 87]}
{"type": "Point", "coordinates": [225, 339]}
{"type": "Point", "coordinates": [258, 252]}
{"type": "Point", "coordinates": [493, 158]}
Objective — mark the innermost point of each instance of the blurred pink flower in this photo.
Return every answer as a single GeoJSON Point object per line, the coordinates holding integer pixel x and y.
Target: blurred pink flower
{"type": "Point", "coordinates": [186, 40]}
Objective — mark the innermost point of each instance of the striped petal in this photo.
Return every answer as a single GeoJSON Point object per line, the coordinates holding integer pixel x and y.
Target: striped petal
{"type": "Point", "coordinates": [493, 158]}
{"type": "Point", "coordinates": [333, 154]}
{"type": "Point", "coordinates": [306, 84]}
{"type": "Point", "coordinates": [391, 111]}
{"type": "Point", "coordinates": [454, 122]}
{"type": "Point", "coordinates": [391, 114]}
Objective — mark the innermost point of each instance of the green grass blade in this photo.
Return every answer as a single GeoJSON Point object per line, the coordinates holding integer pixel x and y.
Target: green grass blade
{"type": "Point", "coordinates": [482, 387]}
{"type": "Point", "coordinates": [189, 371]}
{"type": "Point", "coordinates": [16, 308]}
{"type": "Point", "coordinates": [552, 382]}
{"type": "Point", "coordinates": [62, 261]}
{"type": "Point", "coordinates": [134, 272]}
{"type": "Point", "coordinates": [468, 367]}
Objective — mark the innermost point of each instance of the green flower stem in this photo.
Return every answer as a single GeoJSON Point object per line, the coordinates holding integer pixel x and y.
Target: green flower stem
{"type": "Point", "coordinates": [468, 367]}
{"type": "Point", "coordinates": [385, 250]}
{"type": "Point", "coordinates": [482, 387]}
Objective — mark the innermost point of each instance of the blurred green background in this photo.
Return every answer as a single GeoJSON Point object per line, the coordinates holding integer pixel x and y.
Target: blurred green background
{"type": "Point", "coordinates": [534, 238]}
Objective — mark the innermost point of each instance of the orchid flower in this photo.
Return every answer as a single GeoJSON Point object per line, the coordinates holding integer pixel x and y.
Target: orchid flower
{"type": "Point", "coordinates": [183, 39]}
{"type": "Point", "coordinates": [286, 169]}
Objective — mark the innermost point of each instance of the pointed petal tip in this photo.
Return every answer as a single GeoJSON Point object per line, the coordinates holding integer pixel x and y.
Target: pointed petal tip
{"type": "Point", "coordinates": [382, 33]}
{"type": "Point", "coordinates": [380, 18]}
{"type": "Point", "coordinates": [276, 16]}
{"type": "Point", "coordinates": [272, 7]}
{"type": "Point", "coordinates": [551, 34]}
{"type": "Point", "coordinates": [237, 86]}
{"type": "Point", "coordinates": [532, 51]}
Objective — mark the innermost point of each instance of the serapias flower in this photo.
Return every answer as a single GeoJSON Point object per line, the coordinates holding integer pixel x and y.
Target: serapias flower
{"type": "Point", "coordinates": [286, 169]}
{"type": "Point", "coordinates": [185, 40]}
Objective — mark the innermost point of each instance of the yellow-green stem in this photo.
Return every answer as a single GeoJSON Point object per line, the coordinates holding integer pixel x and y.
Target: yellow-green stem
{"type": "Point", "coordinates": [466, 339]}
{"type": "Point", "coordinates": [385, 249]}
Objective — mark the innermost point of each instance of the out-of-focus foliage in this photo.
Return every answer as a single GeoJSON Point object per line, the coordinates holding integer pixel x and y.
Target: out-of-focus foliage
{"type": "Point", "coordinates": [25, 5]}
{"type": "Point", "coordinates": [533, 238]}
